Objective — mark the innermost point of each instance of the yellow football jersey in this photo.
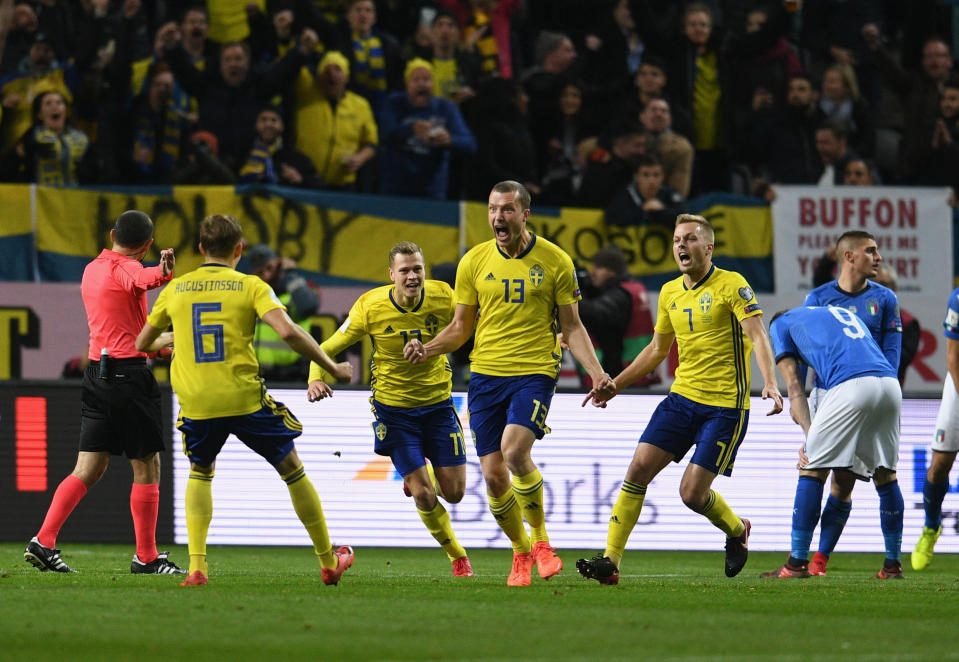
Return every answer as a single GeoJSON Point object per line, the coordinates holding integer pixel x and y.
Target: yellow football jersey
{"type": "Point", "coordinates": [395, 381]}
{"type": "Point", "coordinates": [213, 310]}
{"type": "Point", "coordinates": [517, 300]}
{"type": "Point", "coordinates": [714, 350]}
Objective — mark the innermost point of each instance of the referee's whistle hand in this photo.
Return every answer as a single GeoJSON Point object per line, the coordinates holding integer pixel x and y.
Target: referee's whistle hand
{"type": "Point", "coordinates": [167, 261]}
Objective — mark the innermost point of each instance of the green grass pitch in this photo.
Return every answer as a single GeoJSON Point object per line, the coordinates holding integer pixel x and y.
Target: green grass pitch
{"type": "Point", "coordinates": [268, 603]}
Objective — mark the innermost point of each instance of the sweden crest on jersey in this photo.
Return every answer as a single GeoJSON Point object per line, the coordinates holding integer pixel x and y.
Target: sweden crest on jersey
{"type": "Point", "coordinates": [536, 274]}
{"type": "Point", "coordinates": [432, 324]}
{"type": "Point", "coordinates": [705, 302]}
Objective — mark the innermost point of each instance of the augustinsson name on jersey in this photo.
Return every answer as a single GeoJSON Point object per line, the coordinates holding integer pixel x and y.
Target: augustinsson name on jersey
{"type": "Point", "coordinates": [209, 286]}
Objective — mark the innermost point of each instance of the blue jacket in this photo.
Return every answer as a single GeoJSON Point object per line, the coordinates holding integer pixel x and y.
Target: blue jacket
{"type": "Point", "coordinates": [410, 166]}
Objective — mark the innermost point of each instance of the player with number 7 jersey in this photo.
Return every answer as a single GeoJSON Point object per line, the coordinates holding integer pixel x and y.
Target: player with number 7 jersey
{"type": "Point", "coordinates": [714, 318]}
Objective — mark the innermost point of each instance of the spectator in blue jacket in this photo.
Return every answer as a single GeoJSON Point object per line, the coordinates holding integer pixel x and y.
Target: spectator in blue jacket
{"type": "Point", "coordinates": [418, 131]}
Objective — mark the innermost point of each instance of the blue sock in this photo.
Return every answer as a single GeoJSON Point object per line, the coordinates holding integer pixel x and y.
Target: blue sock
{"type": "Point", "coordinates": [832, 522]}
{"type": "Point", "coordinates": [805, 515]}
{"type": "Point", "coordinates": [932, 496]}
{"type": "Point", "coordinates": [890, 518]}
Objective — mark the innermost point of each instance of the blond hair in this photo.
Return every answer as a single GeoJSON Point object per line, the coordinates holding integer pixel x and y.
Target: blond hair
{"type": "Point", "coordinates": [708, 233]}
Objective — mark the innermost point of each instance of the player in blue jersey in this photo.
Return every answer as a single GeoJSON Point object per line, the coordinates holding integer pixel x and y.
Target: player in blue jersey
{"type": "Point", "coordinates": [944, 445]}
{"type": "Point", "coordinates": [856, 425]}
{"type": "Point", "coordinates": [878, 308]}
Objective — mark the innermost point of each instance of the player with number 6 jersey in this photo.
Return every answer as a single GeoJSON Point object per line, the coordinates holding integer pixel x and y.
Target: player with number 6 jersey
{"type": "Point", "coordinates": [214, 370]}
{"type": "Point", "coordinates": [414, 417]}
{"type": "Point", "coordinates": [214, 374]}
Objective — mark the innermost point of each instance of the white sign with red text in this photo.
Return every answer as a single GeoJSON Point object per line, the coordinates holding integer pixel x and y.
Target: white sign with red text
{"type": "Point", "coordinates": [912, 226]}
{"type": "Point", "coordinates": [913, 230]}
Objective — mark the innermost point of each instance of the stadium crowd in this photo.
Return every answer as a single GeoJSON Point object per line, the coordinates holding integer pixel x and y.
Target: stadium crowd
{"type": "Point", "coordinates": [444, 98]}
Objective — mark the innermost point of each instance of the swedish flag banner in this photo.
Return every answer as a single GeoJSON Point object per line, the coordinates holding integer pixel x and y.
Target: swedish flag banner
{"type": "Point", "coordinates": [336, 238]}
{"type": "Point", "coordinates": [340, 238]}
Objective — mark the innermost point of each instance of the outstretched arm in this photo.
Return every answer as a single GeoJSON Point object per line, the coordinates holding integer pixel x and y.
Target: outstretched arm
{"type": "Point", "coordinates": [576, 337]}
{"type": "Point", "coordinates": [151, 339]}
{"type": "Point", "coordinates": [647, 360]}
{"type": "Point", "coordinates": [753, 326]}
{"type": "Point", "coordinates": [449, 339]}
{"type": "Point", "coordinates": [798, 406]}
{"type": "Point", "coordinates": [304, 344]}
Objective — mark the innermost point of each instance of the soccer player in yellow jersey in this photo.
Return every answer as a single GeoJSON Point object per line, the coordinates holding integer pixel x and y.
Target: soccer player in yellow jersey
{"type": "Point", "coordinates": [716, 321]}
{"type": "Point", "coordinates": [214, 373]}
{"type": "Point", "coordinates": [524, 289]}
{"type": "Point", "coordinates": [412, 407]}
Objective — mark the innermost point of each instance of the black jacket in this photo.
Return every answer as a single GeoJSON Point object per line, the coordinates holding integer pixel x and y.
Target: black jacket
{"type": "Point", "coordinates": [229, 112]}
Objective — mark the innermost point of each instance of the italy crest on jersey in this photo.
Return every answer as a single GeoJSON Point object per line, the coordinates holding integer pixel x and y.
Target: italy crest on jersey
{"type": "Point", "coordinates": [872, 306]}
{"type": "Point", "coordinates": [536, 274]}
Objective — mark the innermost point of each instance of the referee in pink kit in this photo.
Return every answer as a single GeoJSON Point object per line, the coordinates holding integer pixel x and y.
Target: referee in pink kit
{"type": "Point", "coordinates": [120, 403]}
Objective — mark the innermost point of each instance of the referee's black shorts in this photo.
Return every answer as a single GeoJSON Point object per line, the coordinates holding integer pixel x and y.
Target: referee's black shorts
{"type": "Point", "coordinates": [121, 414]}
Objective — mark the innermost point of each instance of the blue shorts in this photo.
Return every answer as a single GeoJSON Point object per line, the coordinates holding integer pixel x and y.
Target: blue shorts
{"type": "Point", "coordinates": [495, 402]}
{"type": "Point", "coordinates": [679, 423]}
{"type": "Point", "coordinates": [408, 435]}
{"type": "Point", "coordinates": [268, 432]}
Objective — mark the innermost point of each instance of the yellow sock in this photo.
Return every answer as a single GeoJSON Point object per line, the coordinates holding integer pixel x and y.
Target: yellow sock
{"type": "Point", "coordinates": [306, 503]}
{"type": "Point", "coordinates": [529, 495]}
{"type": "Point", "coordinates": [199, 512]}
{"type": "Point", "coordinates": [507, 515]}
{"type": "Point", "coordinates": [434, 482]}
{"type": "Point", "coordinates": [438, 523]}
{"type": "Point", "coordinates": [622, 520]}
{"type": "Point", "coordinates": [722, 516]}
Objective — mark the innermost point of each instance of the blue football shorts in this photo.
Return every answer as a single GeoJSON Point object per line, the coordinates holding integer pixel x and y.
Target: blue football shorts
{"type": "Point", "coordinates": [410, 435]}
{"type": "Point", "coordinates": [678, 423]}
{"type": "Point", "coordinates": [268, 432]}
{"type": "Point", "coordinates": [495, 402]}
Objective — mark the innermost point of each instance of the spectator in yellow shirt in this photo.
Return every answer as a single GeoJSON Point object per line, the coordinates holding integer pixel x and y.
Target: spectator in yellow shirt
{"type": "Point", "coordinates": [334, 127]}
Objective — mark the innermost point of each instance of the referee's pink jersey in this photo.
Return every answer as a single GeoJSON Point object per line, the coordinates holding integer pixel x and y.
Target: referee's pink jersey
{"type": "Point", "coordinates": [114, 290]}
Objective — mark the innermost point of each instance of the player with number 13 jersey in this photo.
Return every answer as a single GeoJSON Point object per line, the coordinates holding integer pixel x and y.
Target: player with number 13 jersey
{"type": "Point", "coordinates": [517, 297]}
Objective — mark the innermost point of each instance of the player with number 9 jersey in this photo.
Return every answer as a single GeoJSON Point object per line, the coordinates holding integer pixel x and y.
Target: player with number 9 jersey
{"type": "Point", "coordinates": [214, 368]}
